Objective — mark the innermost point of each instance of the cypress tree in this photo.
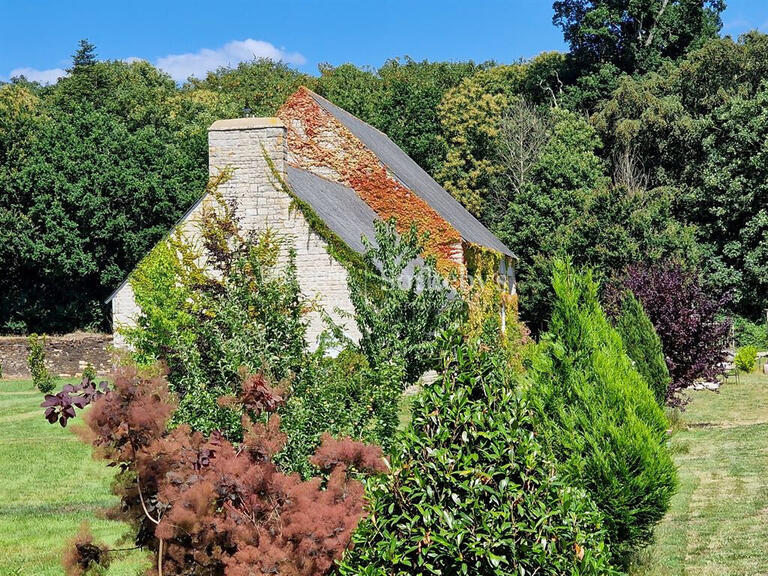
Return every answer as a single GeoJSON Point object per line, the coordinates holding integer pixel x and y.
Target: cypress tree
{"type": "Point", "coordinates": [599, 417]}
{"type": "Point", "coordinates": [643, 346]}
{"type": "Point", "coordinates": [84, 57]}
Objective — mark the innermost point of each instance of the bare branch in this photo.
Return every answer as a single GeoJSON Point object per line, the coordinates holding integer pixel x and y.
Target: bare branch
{"type": "Point", "coordinates": [523, 134]}
{"type": "Point", "coordinates": [629, 170]}
{"type": "Point", "coordinates": [547, 88]}
{"type": "Point", "coordinates": [655, 22]}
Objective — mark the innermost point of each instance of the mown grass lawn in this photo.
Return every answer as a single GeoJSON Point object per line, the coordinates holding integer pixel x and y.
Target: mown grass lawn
{"type": "Point", "coordinates": [49, 484]}
{"type": "Point", "coordinates": [718, 522]}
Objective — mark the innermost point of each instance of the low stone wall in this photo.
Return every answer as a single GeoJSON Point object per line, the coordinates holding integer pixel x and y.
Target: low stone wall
{"type": "Point", "coordinates": [65, 355]}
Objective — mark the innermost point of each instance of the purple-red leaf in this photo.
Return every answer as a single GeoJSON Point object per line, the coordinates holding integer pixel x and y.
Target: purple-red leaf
{"type": "Point", "coordinates": [50, 400]}
{"type": "Point", "coordinates": [61, 406]}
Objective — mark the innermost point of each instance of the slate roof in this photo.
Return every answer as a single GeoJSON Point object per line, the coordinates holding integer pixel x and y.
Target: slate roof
{"type": "Point", "coordinates": [342, 210]}
{"type": "Point", "coordinates": [412, 176]}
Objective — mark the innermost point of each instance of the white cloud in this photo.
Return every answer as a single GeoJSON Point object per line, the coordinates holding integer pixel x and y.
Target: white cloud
{"type": "Point", "coordinates": [43, 76]}
{"type": "Point", "coordinates": [182, 66]}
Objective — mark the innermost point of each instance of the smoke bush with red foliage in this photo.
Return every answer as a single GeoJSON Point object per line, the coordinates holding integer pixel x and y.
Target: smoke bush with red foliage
{"type": "Point", "coordinates": [206, 506]}
{"type": "Point", "coordinates": [60, 407]}
{"type": "Point", "coordinates": [82, 554]}
{"type": "Point", "coordinates": [684, 316]}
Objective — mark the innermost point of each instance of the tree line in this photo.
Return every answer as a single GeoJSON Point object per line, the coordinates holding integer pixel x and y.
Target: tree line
{"type": "Point", "coordinates": [645, 142]}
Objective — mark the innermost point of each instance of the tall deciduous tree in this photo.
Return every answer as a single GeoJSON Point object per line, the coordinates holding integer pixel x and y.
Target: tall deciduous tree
{"type": "Point", "coordinates": [635, 35]}
{"type": "Point", "coordinates": [701, 126]}
{"type": "Point", "coordinates": [685, 316]}
{"type": "Point", "coordinates": [257, 87]}
{"type": "Point", "coordinates": [556, 195]}
{"type": "Point", "coordinates": [411, 93]}
{"type": "Point", "coordinates": [471, 116]}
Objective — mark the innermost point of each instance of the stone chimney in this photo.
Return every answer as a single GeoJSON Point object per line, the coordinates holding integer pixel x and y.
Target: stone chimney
{"type": "Point", "coordinates": [240, 144]}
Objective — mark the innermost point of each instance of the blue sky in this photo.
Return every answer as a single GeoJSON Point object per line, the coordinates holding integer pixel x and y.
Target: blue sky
{"type": "Point", "coordinates": [37, 38]}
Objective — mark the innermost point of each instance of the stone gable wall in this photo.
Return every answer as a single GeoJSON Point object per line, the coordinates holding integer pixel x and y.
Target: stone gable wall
{"type": "Point", "coordinates": [263, 205]}
{"type": "Point", "coordinates": [240, 144]}
{"type": "Point", "coordinates": [66, 355]}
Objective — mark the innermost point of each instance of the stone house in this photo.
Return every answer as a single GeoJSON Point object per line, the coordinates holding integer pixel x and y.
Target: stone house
{"type": "Point", "coordinates": [350, 175]}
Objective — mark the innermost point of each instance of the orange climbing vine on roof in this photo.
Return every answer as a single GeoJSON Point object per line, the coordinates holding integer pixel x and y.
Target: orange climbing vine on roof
{"type": "Point", "coordinates": [321, 144]}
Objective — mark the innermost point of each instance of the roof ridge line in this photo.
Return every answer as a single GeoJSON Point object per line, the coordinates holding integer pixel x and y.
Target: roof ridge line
{"type": "Point", "coordinates": [324, 99]}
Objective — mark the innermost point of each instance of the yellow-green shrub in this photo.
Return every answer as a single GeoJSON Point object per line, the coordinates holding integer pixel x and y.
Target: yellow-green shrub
{"type": "Point", "coordinates": [745, 358]}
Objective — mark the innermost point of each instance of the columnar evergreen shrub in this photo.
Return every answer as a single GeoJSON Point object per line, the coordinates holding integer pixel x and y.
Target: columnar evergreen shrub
{"type": "Point", "coordinates": [643, 346]}
{"type": "Point", "coordinates": [745, 358]}
{"type": "Point", "coordinates": [41, 376]}
{"type": "Point", "coordinates": [89, 372]}
{"type": "Point", "coordinates": [471, 489]}
{"type": "Point", "coordinates": [598, 415]}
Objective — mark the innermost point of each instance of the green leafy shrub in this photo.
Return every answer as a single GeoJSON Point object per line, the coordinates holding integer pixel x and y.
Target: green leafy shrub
{"type": "Point", "coordinates": [471, 490]}
{"type": "Point", "coordinates": [212, 329]}
{"type": "Point", "coordinates": [599, 417]}
{"type": "Point", "coordinates": [344, 395]}
{"type": "Point", "coordinates": [36, 362]}
{"type": "Point", "coordinates": [89, 372]}
{"type": "Point", "coordinates": [643, 346]}
{"type": "Point", "coordinates": [211, 322]}
{"type": "Point", "coordinates": [400, 302]}
{"type": "Point", "coordinates": [745, 359]}
{"type": "Point", "coordinates": [749, 333]}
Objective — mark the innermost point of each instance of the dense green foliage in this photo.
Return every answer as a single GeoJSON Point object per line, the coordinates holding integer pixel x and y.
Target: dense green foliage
{"type": "Point", "coordinates": [599, 417]}
{"type": "Point", "coordinates": [94, 171]}
{"type": "Point", "coordinates": [700, 126]}
{"type": "Point", "coordinates": [471, 489]}
{"type": "Point", "coordinates": [643, 346]}
{"type": "Point", "coordinates": [635, 36]}
{"type": "Point", "coordinates": [343, 396]}
{"type": "Point", "coordinates": [646, 140]}
{"type": "Point", "coordinates": [749, 333]}
{"type": "Point", "coordinates": [249, 321]}
{"type": "Point", "coordinates": [745, 359]}
{"type": "Point", "coordinates": [566, 205]}
{"type": "Point", "coordinates": [213, 330]}
{"type": "Point", "coordinates": [401, 303]}
{"type": "Point", "coordinates": [41, 376]}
